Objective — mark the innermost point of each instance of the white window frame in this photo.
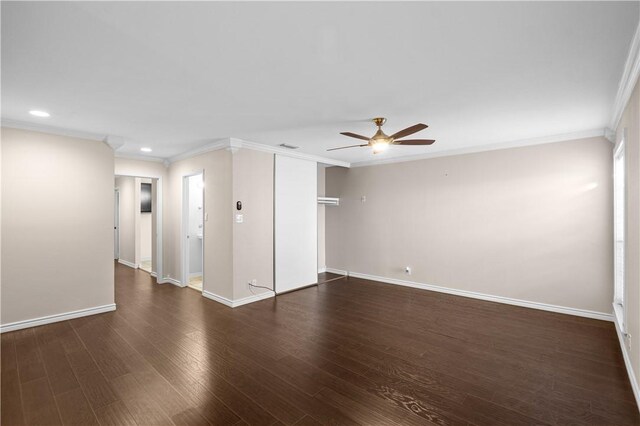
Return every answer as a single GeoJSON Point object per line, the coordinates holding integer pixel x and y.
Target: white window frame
{"type": "Point", "coordinates": [619, 225]}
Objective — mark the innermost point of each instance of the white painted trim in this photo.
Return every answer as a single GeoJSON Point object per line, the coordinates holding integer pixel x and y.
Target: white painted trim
{"type": "Point", "coordinates": [241, 143]}
{"type": "Point", "coordinates": [19, 325]}
{"type": "Point", "coordinates": [139, 158]}
{"type": "Point", "coordinates": [129, 264]}
{"type": "Point", "coordinates": [114, 142]}
{"type": "Point", "coordinates": [610, 135]}
{"type": "Point", "coordinates": [322, 270]}
{"type": "Point", "coordinates": [153, 274]}
{"type": "Point", "coordinates": [167, 280]}
{"type": "Point", "coordinates": [43, 128]}
{"type": "Point", "coordinates": [627, 363]}
{"type": "Point", "coordinates": [234, 144]}
{"type": "Point", "coordinates": [238, 302]}
{"type": "Point", "coordinates": [213, 146]}
{"type": "Point", "coordinates": [492, 147]}
{"type": "Point", "coordinates": [488, 297]}
{"type": "Point", "coordinates": [219, 299]}
{"type": "Point", "coordinates": [336, 271]}
{"type": "Point", "coordinates": [184, 224]}
{"type": "Point", "coordinates": [627, 80]}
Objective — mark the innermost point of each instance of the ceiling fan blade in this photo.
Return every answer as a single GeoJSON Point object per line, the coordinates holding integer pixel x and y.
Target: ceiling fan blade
{"type": "Point", "coordinates": [409, 131]}
{"type": "Point", "coordinates": [350, 146]}
{"type": "Point", "coordinates": [354, 135]}
{"type": "Point", "coordinates": [415, 142]}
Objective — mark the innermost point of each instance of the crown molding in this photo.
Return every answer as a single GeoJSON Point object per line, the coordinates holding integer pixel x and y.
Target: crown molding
{"type": "Point", "coordinates": [287, 152]}
{"type": "Point", "coordinates": [213, 146]}
{"type": "Point", "coordinates": [475, 149]}
{"type": "Point", "coordinates": [114, 142]}
{"type": "Point", "coordinates": [235, 144]}
{"type": "Point", "coordinates": [628, 80]}
{"type": "Point", "coordinates": [43, 128]}
{"type": "Point", "coordinates": [140, 158]}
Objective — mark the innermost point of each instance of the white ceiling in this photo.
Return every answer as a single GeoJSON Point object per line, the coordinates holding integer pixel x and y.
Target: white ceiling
{"type": "Point", "coordinates": [175, 76]}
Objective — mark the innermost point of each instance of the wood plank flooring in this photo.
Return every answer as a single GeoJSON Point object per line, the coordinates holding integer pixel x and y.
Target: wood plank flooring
{"type": "Point", "coordinates": [347, 352]}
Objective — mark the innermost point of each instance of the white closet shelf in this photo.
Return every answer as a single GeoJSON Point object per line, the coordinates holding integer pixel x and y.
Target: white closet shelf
{"type": "Point", "coordinates": [329, 201]}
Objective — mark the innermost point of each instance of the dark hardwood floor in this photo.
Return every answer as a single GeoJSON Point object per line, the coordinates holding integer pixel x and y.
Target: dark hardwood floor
{"type": "Point", "coordinates": [346, 352]}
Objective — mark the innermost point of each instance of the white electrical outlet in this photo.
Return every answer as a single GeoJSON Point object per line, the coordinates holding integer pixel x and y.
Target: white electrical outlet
{"type": "Point", "coordinates": [407, 270]}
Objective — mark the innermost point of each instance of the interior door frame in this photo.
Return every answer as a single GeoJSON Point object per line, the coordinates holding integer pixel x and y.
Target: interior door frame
{"type": "Point", "coordinates": [158, 205]}
{"type": "Point", "coordinates": [116, 224]}
{"type": "Point", "coordinates": [184, 234]}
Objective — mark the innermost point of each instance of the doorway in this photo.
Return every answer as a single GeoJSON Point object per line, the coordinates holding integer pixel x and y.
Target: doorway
{"type": "Point", "coordinates": [137, 223]}
{"type": "Point", "coordinates": [116, 224]}
{"type": "Point", "coordinates": [145, 226]}
{"type": "Point", "coordinates": [193, 230]}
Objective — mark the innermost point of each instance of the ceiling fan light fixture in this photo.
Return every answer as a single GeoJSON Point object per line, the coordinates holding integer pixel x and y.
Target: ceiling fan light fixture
{"type": "Point", "coordinates": [381, 141]}
{"type": "Point", "coordinates": [380, 146]}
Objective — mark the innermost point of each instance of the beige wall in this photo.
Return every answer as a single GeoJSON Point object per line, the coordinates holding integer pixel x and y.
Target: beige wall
{"type": "Point", "coordinates": [253, 238]}
{"type": "Point", "coordinates": [218, 230]}
{"type": "Point", "coordinates": [321, 218]}
{"type": "Point", "coordinates": [631, 122]}
{"type": "Point", "coordinates": [233, 253]}
{"type": "Point", "coordinates": [57, 225]}
{"type": "Point", "coordinates": [531, 223]}
{"type": "Point", "coordinates": [126, 188]}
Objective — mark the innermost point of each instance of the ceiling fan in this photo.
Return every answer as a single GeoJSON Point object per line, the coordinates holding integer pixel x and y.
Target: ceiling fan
{"type": "Point", "coordinates": [380, 141]}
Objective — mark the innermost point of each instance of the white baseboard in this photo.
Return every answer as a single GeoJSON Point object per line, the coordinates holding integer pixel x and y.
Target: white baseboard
{"type": "Point", "coordinates": [19, 325]}
{"type": "Point", "coordinates": [488, 297]}
{"type": "Point", "coordinates": [336, 271]}
{"type": "Point", "coordinates": [238, 302]}
{"type": "Point", "coordinates": [323, 269]}
{"type": "Point", "coordinates": [167, 280]}
{"type": "Point", "coordinates": [627, 363]}
{"type": "Point", "coordinates": [153, 274]}
{"type": "Point", "coordinates": [127, 263]}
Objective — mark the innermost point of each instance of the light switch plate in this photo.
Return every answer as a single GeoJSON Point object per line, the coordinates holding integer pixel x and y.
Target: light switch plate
{"type": "Point", "coordinates": [239, 218]}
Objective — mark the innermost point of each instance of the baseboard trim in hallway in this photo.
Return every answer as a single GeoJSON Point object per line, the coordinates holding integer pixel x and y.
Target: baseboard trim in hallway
{"type": "Point", "coordinates": [238, 302]}
{"type": "Point", "coordinates": [167, 280]}
{"type": "Point", "coordinates": [481, 296]}
{"type": "Point", "coordinates": [19, 325]}
{"type": "Point", "coordinates": [127, 263]}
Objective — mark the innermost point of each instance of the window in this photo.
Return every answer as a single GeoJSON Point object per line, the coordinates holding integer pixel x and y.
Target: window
{"type": "Point", "coordinates": [618, 234]}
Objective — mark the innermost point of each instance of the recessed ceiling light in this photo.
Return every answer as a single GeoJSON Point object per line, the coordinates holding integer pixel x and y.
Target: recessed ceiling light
{"type": "Point", "coordinates": [39, 113]}
{"type": "Point", "coordinates": [146, 149]}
